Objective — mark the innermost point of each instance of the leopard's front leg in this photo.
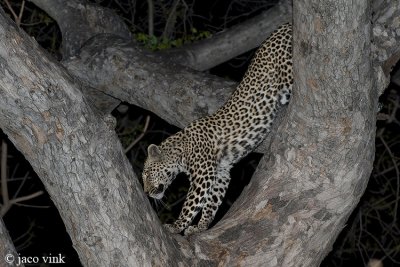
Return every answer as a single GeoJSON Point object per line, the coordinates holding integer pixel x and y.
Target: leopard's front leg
{"type": "Point", "coordinates": [213, 200]}
{"type": "Point", "coordinates": [193, 204]}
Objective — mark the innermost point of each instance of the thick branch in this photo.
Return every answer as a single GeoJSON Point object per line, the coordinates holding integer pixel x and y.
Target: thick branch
{"type": "Point", "coordinates": [79, 22]}
{"type": "Point", "coordinates": [234, 41]}
{"type": "Point", "coordinates": [125, 71]}
{"type": "Point", "coordinates": [78, 158]}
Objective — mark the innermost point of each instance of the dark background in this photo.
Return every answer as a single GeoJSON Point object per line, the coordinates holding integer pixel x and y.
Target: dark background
{"type": "Point", "coordinates": [35, 226]}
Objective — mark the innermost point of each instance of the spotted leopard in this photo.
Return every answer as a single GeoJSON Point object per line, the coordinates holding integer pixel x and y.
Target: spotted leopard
{"type": "Point", "coordinates": [208, 147]}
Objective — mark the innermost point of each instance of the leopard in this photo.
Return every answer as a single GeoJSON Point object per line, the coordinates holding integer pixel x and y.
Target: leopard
{"type": "Point", "coordinates": [207, 148]}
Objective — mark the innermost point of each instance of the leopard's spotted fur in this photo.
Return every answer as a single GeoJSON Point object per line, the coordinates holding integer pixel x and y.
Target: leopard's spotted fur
{"type": "Point", "coordinates": [208, 147]}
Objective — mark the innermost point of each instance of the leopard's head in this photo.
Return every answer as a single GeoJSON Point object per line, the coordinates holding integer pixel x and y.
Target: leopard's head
{"type": "Point", "coordinates": [159, 171]}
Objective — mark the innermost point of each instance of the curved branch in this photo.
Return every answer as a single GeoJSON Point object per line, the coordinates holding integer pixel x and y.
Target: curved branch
{"type": "Point", "coordinates": [123, 70]}
{"type": "Point", "coordinates": [234, 41]}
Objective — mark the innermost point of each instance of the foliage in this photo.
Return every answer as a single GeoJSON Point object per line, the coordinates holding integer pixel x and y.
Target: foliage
{"type": "Point", "coordinates": [159, 43]}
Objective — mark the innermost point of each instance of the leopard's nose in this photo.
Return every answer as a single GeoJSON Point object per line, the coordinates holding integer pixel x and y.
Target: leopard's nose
{"type": "Point", "coordinates": [160, 188]}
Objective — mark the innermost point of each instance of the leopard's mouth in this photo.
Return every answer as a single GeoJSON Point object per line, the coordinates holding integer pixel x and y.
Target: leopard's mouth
{"type": "Point", "coordinates": [158, 192]}
{"type": "Point", "coordinates": [157, 196]}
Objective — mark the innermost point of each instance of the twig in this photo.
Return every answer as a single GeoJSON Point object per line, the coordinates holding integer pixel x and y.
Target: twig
{"type": "Point", "coordinates": [18, 17]}
{"type": "Point", "coordinates": [359, 244]}
{"type": "Point", "coordinates": [21, 12]}
{"type": "Point", "coordinates": [27, 197]}
{"type": "Point", "coordinates": [397, 176]}
{"type": "Point", "coordinates": [31, 206]}
{"type": "Point", "coordinates": [146, 125]}
{"type": "Point", "coordinates": [7, 202]}
{"type": "Point", "coordinates": [25, 238]}
{"type": "Point", "coordinates": [4, 188]}
{"type": "Point", "coordinates": [150, 8]}
{"type": "Point", "coordinates": [12, 11]}
{"type": "Point", "coordinates": [169, 25]}
{"type": "Point", "coordinates": [27, 232]}
{"type": "Point", "coordinates": [381, 247]}
{"type": "Point", "coordinates": [21, 184]}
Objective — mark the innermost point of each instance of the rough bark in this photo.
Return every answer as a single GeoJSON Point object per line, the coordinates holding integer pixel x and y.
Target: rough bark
{"type": "Point", "coordinates": [78, 157]}
{"type": "Point", "coordinates": [302, 194]}
{"type": "Point", "coordinates": [125, 71]}
{"type": "Point", "coordinates": [79, 21]}
{"type": "Point", "coordinates": [7, 249]}
{"type": "Point", "coordinates": [386, 34]}
{"type": "Point", "coordinates": [385, 48]}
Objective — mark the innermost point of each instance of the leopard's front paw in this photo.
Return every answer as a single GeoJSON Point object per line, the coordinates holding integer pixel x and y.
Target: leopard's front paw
{"type": "Point", "coordinates": [172, 228]}
{"type": "Point", "coordinates": [193, 229]}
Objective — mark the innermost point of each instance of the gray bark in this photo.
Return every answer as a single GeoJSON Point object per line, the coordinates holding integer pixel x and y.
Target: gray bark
{"type": "Point", "coordinates": [386, 36]}
{"type": "Point", "coordinates": [296, 203]}
{"type": "Point", "coordinates": [127, 72]}
{"type": "Point", "coordinates": [79, 159]}
{"type": "Point", "coordinates": [7, 249]}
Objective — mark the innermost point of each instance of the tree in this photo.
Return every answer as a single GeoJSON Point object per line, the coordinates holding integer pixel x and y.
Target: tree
{"type": "Point", "coordinates": [319, 155]}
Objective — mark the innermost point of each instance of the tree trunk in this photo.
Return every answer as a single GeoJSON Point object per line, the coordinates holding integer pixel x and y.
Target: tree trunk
{"type": "Point", "coordinates": [297, 202]}
{"type": "Point", "coordinates": [78, 158]}
{"type": "Point", "coordinates": [319, 164]}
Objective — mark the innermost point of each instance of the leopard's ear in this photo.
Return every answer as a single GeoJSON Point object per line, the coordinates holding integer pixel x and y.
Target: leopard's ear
{"type": "Point", "coordinates": [154, 153]}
